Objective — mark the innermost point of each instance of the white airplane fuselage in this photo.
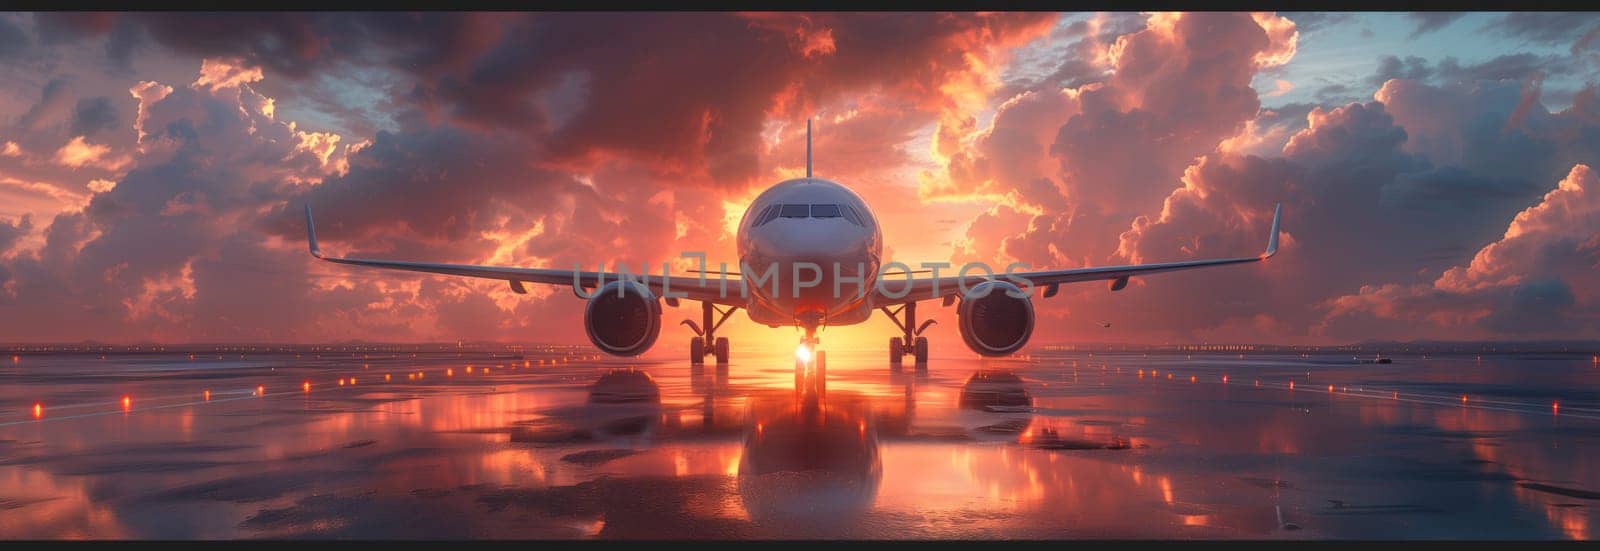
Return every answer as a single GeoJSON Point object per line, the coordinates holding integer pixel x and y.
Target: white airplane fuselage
{"type": "Point", "coordinates": [809, 252]}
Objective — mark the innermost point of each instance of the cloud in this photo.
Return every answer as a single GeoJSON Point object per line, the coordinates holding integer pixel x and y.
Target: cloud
{"type": "Point", "coordinates": [1543, 27]}
{"type": "Point", "coordinates": [53, 103]}
{"type": "Point", "coordinates": [1538, 278]}
{"type": "Point", "coordinates": [78, 153]}
{"type": "Point", "coordinates": [223, 73]}
{"type": "Point", "coordinates": [1391, 67]}
{"type": "Point", "coordinates": [1430, 21]}
{"type": "Point", "coordinates": [1076, 163]}
{"type": "Point", "coordinates": [209, 200]}
{"type": "Point", "coordinates": [516, 139]}
{"type": "Point", "coordinates": [1311, 22]}
{"type": "Point", "coordinates": [93, 115]}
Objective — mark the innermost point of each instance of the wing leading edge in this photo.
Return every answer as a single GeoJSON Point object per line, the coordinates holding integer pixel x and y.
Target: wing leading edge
{"type": "Point", "coordinates": [935, 288]}
{"type": "Point", "coordinates": [693, 288]}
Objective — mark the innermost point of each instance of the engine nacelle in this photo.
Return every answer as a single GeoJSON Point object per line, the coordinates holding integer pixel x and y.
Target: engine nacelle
{"type": "Point", "coordinates": [994, 323]}
{"type": "Point", "coordinates": [624, 324]}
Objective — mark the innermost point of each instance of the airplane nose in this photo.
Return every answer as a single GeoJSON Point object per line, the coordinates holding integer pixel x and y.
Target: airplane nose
{"type": "Point", "coordinates": [811, 240]}
{"type": "Point", "coordinates": [802, 255]}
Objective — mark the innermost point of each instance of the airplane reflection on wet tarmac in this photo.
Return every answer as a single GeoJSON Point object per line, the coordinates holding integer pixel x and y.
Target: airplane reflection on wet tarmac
{"type": "Point", "coordinates": [1064, 446]}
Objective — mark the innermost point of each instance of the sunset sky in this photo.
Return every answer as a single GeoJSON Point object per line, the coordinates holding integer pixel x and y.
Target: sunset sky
{"type": "Point", "coordinates": [1434, 168]}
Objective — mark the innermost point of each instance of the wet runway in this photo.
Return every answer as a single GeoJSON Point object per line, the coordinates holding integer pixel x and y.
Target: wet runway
{"type": "Point", "coordinates": [558, 443]}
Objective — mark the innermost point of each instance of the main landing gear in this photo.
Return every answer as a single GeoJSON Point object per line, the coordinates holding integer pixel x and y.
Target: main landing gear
{"type": "Point", "coordinates": [909, 342]}
{"type": "Point", "coordinates": [706, 342]}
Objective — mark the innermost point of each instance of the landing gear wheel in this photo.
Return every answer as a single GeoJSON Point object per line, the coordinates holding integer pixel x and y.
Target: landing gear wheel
{"type": "Point", "coordinates": [697, 351]}
{"type": "Point", "coordinates": [721, 350]}
{"type": "Point", "coordinates": [897, 350]}
{"type": "Point", "coordinates": [922, 351]}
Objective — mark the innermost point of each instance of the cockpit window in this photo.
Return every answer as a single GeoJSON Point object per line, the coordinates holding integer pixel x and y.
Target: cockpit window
{"type": "Point", "coordinates": [767, 214]}
{"type": "Point", "coordinates": [808, 211]}
{"type": "Point", "coordinates": [850, 214]}
{"type": "Point", "coordinates": [824, 211]}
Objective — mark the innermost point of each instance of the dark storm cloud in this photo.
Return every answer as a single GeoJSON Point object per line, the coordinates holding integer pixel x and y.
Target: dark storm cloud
{"type": "Point", "coordinates": [1509, 66]}
{"type": "Point", "coordinates": [1438, 171]}
{"type": "Point", "coordinates": [1533, 307]}
{"type": "Point", "coordinates": [1518, 66]}
{"type": "Point", "coordinates": [92, 115]}
{"type": "Point", "coordinates": [1544, 27]}
{"type": "Point", "coordinates": [1335, 93]}
{"type": "Point", "coordinates": [1389, 67]}
{"type": "Point", "coordinates": [1429, 21]}
{"type": "Point", "coordinates": [466, 172]}
{"type": "Point", "coordinates": [13, 40]}
{"type": "Point", "coordinates": [53, 101]}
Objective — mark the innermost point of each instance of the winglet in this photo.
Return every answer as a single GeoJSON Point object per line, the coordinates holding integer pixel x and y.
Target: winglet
{"type": "Point", "coordinates": [808, 148]}
{"type": "Point", "coordinates": [1272, 241]}
{"type": "Point", "coordinates": [311, 234]}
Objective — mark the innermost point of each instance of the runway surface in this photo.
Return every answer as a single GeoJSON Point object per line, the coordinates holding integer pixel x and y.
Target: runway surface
{"type": "Point", "coordinates": [561, 443]}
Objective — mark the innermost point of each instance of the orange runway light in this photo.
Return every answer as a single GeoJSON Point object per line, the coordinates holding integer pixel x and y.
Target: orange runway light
{"type": "Point", "coordinates": [1224, 379]}
{"type": "Point", "coordinates": [127, 403]}
{"type": "Point", "coordinates": [38, 411]}
{"type": "Point", "coordinates": [485, 371]}
{"type": "Point", "coordinates": [352, 380]}
{"type": "Point", "coordinates": [449, 372]}
{"type": "Point", "coordinates": [1191, 378]}
{"type": "Point", "coordinates": [306, 386]}
{"type": "Point", "coordinates": [469, 369]}
{"type": "Point", "coordinates": [386, 377]}
{"type": "Point", "coordinates": [206, 395]}
{"type": "Point", "coordinates": [261, 390]}
{"type": "Point", "coordinates": [1330, 388]}
{"type": "Point", "coordinates": [1291, 385]}
{"type": "Point", "coordinates": [1463, 398]}
{"type": "Point", "coordinates": [341, 382]}
{"type": "Point", "coordinates": [15, 358]}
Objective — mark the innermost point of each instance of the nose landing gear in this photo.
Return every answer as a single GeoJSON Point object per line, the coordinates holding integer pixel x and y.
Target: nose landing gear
{"type": "Point", "coordinates": [810, 366]}
{"type": "Point", "coordinates": [706, 342]}
{"type": "Point", "coordinates": [910, 342]}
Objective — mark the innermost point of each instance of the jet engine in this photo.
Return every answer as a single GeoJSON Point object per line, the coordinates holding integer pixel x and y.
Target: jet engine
{"type": "Point", "coordinates": [994, 323]}
{"type": "Point", "coordinates": [623, 318]}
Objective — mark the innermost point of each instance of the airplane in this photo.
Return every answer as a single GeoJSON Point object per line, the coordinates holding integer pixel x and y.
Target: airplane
{"type": "Point", "coordinates": [796, 224]}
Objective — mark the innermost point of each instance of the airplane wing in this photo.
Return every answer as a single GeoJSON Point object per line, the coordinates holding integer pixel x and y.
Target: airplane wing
{"type": "Point", "coordinates": [699, 288]}
{"type": "Point", "coordinates": [949, 286]}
